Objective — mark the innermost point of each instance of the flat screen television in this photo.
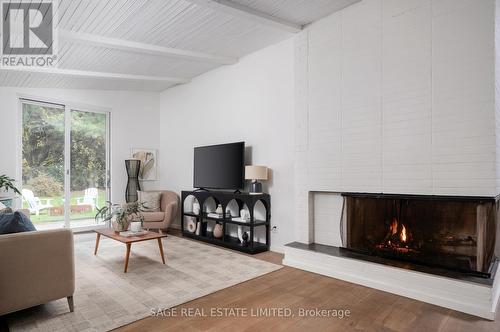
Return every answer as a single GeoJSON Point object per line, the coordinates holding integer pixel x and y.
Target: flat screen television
{"type": "Point", "coordinates": [219, 166]}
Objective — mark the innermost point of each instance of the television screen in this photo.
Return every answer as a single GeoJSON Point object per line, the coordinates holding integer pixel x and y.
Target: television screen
{"type": "Point", "coordinates": [219, 166]}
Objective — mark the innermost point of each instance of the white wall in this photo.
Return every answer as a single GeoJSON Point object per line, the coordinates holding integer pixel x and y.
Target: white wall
{"type": "Point", "coordinates": [250, 101]}
{"type": "Point", "coordinates": [134, 123]}
{"type": "Point", "coordinates": [497, 93]}
{"type": "Point", "coordinates": [397, 97]}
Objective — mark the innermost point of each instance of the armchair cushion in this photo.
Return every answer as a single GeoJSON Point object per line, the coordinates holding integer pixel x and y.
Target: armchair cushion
{"type": "Point", "coordinates": [153, 216]}
{"type": "Point", "coordinates": [15, 223]}
{"type": "Point", "coordinates": [150, 199]}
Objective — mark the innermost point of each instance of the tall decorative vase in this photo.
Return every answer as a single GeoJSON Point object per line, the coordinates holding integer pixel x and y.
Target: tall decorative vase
{"type": "Point", "coordinates": [133, 166]}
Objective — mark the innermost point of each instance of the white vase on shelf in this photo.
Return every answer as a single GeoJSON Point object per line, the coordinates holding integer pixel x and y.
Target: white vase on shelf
{"type": "Point", "coordinates": [196, 208]}
{"type": "Point", "coordinates": [245, 216]}
{"type": "Point", "coordinates": [198, 228]}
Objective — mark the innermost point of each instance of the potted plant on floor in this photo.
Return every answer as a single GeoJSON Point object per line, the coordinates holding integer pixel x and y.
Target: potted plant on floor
{"type": "Point", "coordinates": [120, 216]}
{"type": "Point", "coordinates": [6, 185]}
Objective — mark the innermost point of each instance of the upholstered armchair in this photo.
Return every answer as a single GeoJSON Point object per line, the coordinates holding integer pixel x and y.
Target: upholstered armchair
{"type": "Point", "coordinates": [169, 206]}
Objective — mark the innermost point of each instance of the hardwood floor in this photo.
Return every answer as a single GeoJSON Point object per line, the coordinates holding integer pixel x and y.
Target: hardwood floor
{"type": "Point", "coordinates": [370, 310]}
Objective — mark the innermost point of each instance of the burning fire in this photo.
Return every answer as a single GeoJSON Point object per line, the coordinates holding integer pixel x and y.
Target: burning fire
{"type": "Point", "coordinates": [403, 234]}
{"type": "Point", "coordinates": [394, 227]}
{"type": "Point", "coordinates": [398, 237]}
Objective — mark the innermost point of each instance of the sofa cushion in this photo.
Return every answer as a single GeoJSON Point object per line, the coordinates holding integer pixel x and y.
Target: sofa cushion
{"type": "Point", "coordinates": [153, 216]}
{"type": "Point", "coordinates": [150, 199]}
{"type": "Point", "coordinates": [15, 222]}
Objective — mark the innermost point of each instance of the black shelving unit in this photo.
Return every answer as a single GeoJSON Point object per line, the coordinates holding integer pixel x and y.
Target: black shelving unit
{"type": "Point", "coordinates": [224, 198]}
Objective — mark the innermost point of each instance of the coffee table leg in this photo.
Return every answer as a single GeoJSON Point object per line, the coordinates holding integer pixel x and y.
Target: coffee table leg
{"type": "Point", "coordinates": [160, 245]}
{"type": "Point", "coordinates": [127, 256]}
{"type": "Point", "coordinates": [98, 237]}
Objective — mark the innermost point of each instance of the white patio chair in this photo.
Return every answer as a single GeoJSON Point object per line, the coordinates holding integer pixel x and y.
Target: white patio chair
{"type": "Point", "coordinates": [89, 198]}
{"type": "Point", "coordinates": [35, 204]}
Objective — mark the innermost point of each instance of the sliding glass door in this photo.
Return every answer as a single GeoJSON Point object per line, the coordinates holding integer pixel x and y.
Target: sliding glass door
{"type": "Point", "coordinates": [43, 154]}
{"type": "Point", "coordinates": [65, 164]}
{"type": "Point", "coordinates": [88, 165]}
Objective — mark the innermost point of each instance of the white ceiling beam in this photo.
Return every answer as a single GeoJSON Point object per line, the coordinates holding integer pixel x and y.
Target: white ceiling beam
{"type": "Point", "coordinates": [142, 48]}
{"type": "Point", "coordinates": [92, 74]}
{"type": "Point", "coordinates": [238, 10]}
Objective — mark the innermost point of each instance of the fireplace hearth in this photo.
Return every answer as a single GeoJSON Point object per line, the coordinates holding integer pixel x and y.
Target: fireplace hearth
{"type": "Point", "coordinates": [446, 232]}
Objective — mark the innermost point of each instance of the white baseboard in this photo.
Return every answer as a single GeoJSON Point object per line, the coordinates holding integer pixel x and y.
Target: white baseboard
{"type": "Point", "coordinates": [471, 298]}
{"type": "Point", "coordinates": [278, 248]}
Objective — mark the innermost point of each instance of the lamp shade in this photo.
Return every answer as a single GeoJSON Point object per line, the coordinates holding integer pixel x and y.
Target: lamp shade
{"type": "Point", "coordinates": [255, 172]}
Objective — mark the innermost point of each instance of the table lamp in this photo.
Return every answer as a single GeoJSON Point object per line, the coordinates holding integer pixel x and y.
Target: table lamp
{"type": "Point", "coordinates": [255, 173]}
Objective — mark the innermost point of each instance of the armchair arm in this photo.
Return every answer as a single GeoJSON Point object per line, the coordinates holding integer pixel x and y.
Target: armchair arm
{"type": "Point", "coordinates": [170, 213]}
{"type": "Point", "coordinates": [38, 267]}
{"type": "Point", "coordinates": [170, 205]}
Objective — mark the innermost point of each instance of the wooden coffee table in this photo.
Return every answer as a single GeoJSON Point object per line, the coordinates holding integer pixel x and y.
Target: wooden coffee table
{"type": "Point", "coordinates": [109, 233]}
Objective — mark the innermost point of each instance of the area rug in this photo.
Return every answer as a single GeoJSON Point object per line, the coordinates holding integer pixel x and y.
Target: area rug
{"type": "Point", "coordinates": [106, 298]}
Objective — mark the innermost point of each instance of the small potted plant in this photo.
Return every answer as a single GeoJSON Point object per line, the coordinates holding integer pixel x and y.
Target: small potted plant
{"type": "Point", "coordinates": [6, 184]}
{"type": "Point", "coordinates": [120, 216]}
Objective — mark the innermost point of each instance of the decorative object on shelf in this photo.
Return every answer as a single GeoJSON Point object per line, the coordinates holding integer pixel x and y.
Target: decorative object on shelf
{"type": "Point", "coordinates": [148, 158]}
{"type": "Point", "coordinates": [196, 207]}
{"type": "Point", "coordinates": [245, 239]}
{"type": "Point", "coordinates": [244, 217]}
{"type": "Point", "coordinates": [219, 210]}
{"type": "Point", "coordinates": [133, 185]}
{"type": "Point", "coordinates": [244, 214]}
{"type": "Point", "coordinates": [256, 173]}
{"type": "Point", "coordinates": [218, 230]}
{"type": "Point", "coordinates": [198, 228]}
{"type": "Point", "coordinates": [120, 216]}
{"type": "Point", "coordinates": [240, 234]}
{"type": "Point", "coordinates": [191, 224]}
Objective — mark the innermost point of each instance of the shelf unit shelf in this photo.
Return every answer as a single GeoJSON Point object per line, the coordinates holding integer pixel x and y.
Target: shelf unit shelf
{"type": "Point", "coordinates": [228, 241]}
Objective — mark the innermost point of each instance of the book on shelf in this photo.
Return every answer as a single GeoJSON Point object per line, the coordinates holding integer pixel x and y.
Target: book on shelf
{"type": "Point", "coordinates": [217, 216]}
{"type": "Point", "coordinates": [240, 219]}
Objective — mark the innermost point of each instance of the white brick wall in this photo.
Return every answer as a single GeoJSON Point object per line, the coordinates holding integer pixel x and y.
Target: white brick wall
{"type": "Point", "coordinates": [397, 96]}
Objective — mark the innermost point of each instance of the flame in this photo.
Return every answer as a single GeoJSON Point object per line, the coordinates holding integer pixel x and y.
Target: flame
{"type": "Point", "coordinates": [403, 234]}
{"type": "Point", "coordinates": [394, 227]}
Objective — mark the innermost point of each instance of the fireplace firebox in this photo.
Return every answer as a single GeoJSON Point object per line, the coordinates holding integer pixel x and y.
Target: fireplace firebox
{"type": "Point", "coordinates": [454, 233]}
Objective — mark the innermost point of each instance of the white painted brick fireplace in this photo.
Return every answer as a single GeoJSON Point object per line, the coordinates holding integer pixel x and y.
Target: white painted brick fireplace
{"type": "Point", "coordinates": [396, 96]}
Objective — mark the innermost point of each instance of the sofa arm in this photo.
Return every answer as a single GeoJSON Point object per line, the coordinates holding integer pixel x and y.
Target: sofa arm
{"type": "Point", "coordinates": [36, 267]}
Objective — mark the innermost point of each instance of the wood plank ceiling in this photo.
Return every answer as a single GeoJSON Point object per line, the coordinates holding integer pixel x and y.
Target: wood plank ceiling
{"type": "Point", "coordinates": [155, 44]}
